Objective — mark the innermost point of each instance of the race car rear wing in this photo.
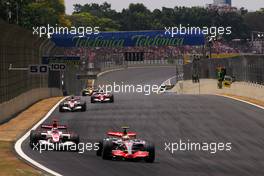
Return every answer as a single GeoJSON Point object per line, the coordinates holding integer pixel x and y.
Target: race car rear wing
{"type": "Point", "coordinates": [120, 134]}
{"type": "Point", "coordinates": [75, 98]}
{"type": "Point", "coordinates": [51, 126]}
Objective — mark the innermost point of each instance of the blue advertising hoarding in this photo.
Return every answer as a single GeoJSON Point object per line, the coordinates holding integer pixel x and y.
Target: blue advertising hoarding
{"type": "Point", "coordinates": [128, 39]}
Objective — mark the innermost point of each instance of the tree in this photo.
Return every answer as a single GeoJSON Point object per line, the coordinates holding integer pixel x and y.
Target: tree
{"type": "Point", "coordinates": [136, 17]}
{"type": "Point", "coordinates": [254, 20]}
{"type": "Point", "coordinates": [87, 19]}
{"type": "Point", "coordinates": [32, 13]}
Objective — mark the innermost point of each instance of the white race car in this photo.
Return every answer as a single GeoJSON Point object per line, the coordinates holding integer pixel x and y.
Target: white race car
{"type": "Point", "coordinates": [102, 97]}
{"type": "Point", "coordinates": [72, 104]}
{"type": "Point", "coordinates": [53, 137]}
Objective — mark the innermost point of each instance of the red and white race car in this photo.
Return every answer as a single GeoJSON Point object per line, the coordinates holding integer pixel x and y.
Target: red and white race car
{"type": "Point", "coordinates": [72, 104]}
{"type": "Point", "coordinates": [54, 136]}
{"type": "Point", "coordinates": [124, 145]}
{"type": "Point", "coordinates": [102, 97]}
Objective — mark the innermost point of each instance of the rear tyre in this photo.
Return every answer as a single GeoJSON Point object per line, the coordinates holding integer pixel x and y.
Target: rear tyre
{"type": "Point", "coordinates": [83, 107]}
{"type": "Point", "coordinates": [34, 137]}
{"type": "Point", "coordinates": [92, 100]}
{"type": "Point", "coordinates": [61, 108]}
{"type": "Point", "coordinates": [107, 150]}
{"type": "Point", "coordinates": [75, 138]}
{"type": "Point", "coordinates": [112, 99]}
{"type": "Point", "coordinates": [151, 149]}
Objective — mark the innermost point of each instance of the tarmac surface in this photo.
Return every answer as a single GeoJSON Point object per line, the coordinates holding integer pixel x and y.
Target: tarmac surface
{"type": "Point", "coordinates": [163, 119]}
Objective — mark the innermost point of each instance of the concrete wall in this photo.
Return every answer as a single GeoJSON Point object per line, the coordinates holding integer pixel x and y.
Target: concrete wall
{"type": "Point", "coordinates": [209, 86]}
{"type": "Point", "coordinates": [9, 108]}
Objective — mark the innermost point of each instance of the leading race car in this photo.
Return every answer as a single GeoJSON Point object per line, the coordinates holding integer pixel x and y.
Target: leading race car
{"type": "Point", "coordinates": [102, 97]}
{"type": "Point", "coordinates": [124, 145]}
{"type": "Point", "coordinates": [89, 91]}
{"type": "Point", "coordinates": [72, 104]}
{"type": "Point", "coordinates": [53, 137]}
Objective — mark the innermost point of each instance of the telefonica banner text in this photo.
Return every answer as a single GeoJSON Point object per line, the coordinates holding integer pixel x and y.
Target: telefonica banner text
{"type": "Point", "coordinates": [127, 39]}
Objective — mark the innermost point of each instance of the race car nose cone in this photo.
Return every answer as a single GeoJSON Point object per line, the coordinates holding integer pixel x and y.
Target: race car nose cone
{"type": "Point", "coordinates": [55, 138]}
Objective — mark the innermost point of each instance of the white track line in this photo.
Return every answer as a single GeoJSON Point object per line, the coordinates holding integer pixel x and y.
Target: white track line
{"type": "Point", "coordinates": [18, 144]}
{"type": "Point", "coordinates": [169, 79]}
{"type": "Point", "coordinates": [164, 83]}
{"type": "Point", "coordinates": [244, 101]}
{"type": "Point", "coordinates": [107, 71]}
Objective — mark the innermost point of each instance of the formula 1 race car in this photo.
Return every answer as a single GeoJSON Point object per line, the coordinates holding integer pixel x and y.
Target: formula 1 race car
{"type": "Point", "coordinates": [125, 146]}
{"type": "Point", "coordinates": [53, 137]}
{"type": "Point", "coordinates": [89, 91]}
{"type": "Point", "coordinates": [102, 97]}
{"type": "Point", "coordinates": [72, 104]}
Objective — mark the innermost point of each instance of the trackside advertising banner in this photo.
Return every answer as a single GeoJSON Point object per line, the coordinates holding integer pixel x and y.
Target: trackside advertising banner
{"type": "Point", "coordinates": [127, 39]}
{"type": "Point", "coordinates": [70, 60]}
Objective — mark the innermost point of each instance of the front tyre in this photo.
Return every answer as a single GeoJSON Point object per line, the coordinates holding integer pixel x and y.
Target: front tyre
{"type": "Point", "coordinates": [151, 149]}
{"type": "Point", "coordinates": [107, 150]}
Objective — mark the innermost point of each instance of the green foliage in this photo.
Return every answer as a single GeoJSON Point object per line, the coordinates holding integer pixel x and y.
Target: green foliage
{"type": "Point", "coordinates": [255, 20]}
{"type": "Point", "coordinates": [34, 13]}
{"type": "Point", "coordinates": [138, 17]}
{"type": "Point", "coordinates": [87, 19]}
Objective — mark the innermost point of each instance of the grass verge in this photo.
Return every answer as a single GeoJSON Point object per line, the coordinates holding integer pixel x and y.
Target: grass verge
{"type": "Point", "coordinates": [10, 165]}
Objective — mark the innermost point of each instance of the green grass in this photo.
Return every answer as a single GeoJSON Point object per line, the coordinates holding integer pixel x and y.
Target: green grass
{"type": "Point", "coordinates": [10, 165]}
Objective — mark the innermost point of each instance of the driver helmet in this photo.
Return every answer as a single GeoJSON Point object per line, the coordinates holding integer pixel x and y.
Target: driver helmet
{"type": "Point", "coordinates": [54, 130]}
{"type": "Point", "coordinates": [55, 124]}
{"type": "Point", "coordinates": [125, 137]}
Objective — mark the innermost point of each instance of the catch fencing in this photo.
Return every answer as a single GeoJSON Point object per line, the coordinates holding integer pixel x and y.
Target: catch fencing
{"type": "Point", "coordinates": [246, 68]}
{"type": "Point", "coordinates": [18, 49]}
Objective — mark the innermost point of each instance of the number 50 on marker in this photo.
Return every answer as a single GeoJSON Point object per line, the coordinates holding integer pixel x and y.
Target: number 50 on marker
{"type": "Point", "coordinates": [44, 69]}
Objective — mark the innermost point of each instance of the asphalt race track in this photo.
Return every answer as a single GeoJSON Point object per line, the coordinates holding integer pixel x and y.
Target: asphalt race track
{"type": "Point", "coordinates": [164, 118]}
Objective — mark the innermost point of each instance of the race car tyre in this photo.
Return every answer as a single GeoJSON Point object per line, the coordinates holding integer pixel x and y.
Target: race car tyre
{"type": "Point", "coordinates": [34, 137]}
{"type": "Point", "coordinates": [107, 150]}
{"type": "Point", "coordinates": [61, 108]}
{"type": "Point", "coordinates": [112, 99]}
{"type": "Point", "coordinates": [151, 149]}
{"type": "Point", "coordinates": [100, 148]}
{"type": "Point", "coordinates": [83, 107]}
{"type": "Point", "coordinates": [92, 100]}
{"type": "Point", "coordinates": [84, 94]}
{"type": "Point", "coordinates": [75, 138]}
